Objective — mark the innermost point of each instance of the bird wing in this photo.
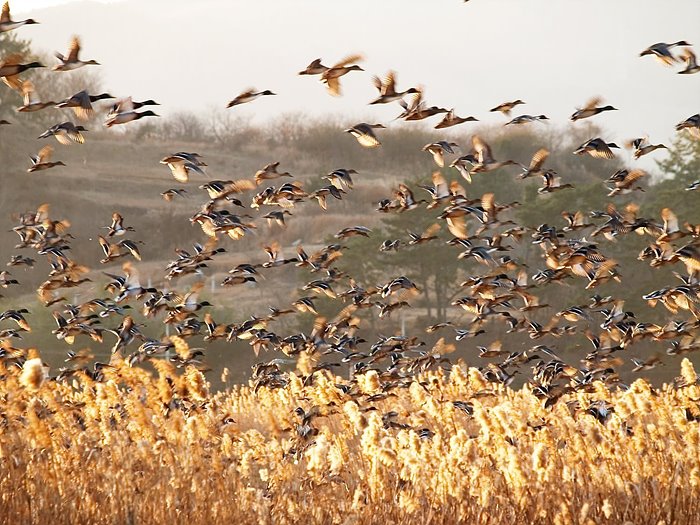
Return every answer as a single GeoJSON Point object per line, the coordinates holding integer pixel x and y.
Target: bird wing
{"type": "Point", "coordinates": [29, 93]}
{"type": "Point", "coordinates": [44, 154]}
{"type": "Point", "coordinates": [333, 85]}
{"type": "Point", "coordinates": [670, 220]}
{"type": "Point", "coordinates": [634, 176]}
{"type": "Point", "coordinates": [5, 16]}
{"type": "Point", "coordinates": [348, 60]}
{"type": "Point", "coordinates": [538, 159]}
{"type": "Point", "coordinates": [73, 50]}
{"type": "Point", "coordinates": [483, 150]}
{"type": "Point", "coordinates": [593, 103]}
{"type": "Point", "coordinates": [431, 230]}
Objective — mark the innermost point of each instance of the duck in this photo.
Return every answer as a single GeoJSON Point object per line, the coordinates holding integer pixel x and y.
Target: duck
{"type": "Point", "coordinates": [115, 109]}
{"type": "Point", "coordinates": [31, 100]}
{"type": "Point", "coordinates": [81, 103]}
{"type": "Point", "coordinates": [125, 113]}
{"type": "Point", "coordinates": [364, 133]}
{"type": "Point", "coordinates": [6, 22]}
{"type": "Point", "coordinates": [341, 178]}
{"type": "Point", "coordinates": [181, 164]}
{"type": "Point", "coordinates": [535, 167]}
{"type": "Point", "coordinates": [11, 67]}
{"type": "Point", "coordinates": [662, 51]}
{"type": "Point", "coordinates": [277, 217]}
{"type": "Point", "coordinates": [590, 109]}
{"type": "Point", "coordinates": [691, 63]}
{"type": "Point", "coordinates": [314, 68]}
{"type": "Point", "coordinates": [526, 119]}
{"type": "Point", "coordinates": [450, 119]}
{"type": "Point", "coordinates": [641, 147]}
{"type": "Point", "coordinates": [169, 195]}
{"type": "Point", "coordinates": [552, 183]}
{"type": "Point", "coordinates": [387, 89]}
{"type": "Point", "coordinates": [507, 107]}
{"type": "Point", "coordinates": [71, 62]}
{"type": "Point", "coordinates": [269, 172]}
{"type": "Point", "coordinates": [117, 227]}
{"type": "Point", "coordinates": [248, 96]}
{"type": "Point", "coordinates": [484, 158]}
{"type": "Point", "coordinates": [597, 148]}
{"type": "Point", "coordinates": [331, 76]}
{"type": "Point", "coordinates": [325, 191]}
{"type": "Point", "coordinates": [438, 149]}
{"type": "Point", "coordinates": [66, 133]}
{"type": "Point", "coordinates": [113, 251]}
{"type": "Point", "coordinates": [41, 160]}
{"type": "Point", "coordinates": [624, 180]}
{"type": "Point", "coordinates": [691, 124]}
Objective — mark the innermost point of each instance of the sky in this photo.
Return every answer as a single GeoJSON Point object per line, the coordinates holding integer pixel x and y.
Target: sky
{"type": "Point", "coordinates": [553, 54]}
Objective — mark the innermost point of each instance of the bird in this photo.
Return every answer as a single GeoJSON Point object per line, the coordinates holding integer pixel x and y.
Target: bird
{"type": "Point", "coordinates": [81, 103]}
{"type": "Point", "coordinates": [341, 178]}
{"type": "Point", "coordinates": [590, 109]}
{"type": "Point", "coordinates": [72, 62]}
{"type": "Point", "coordinates": [552, 183]}
{"type": "Point", "coordinates": [65, 133]}
{"type": "Point", "coordinates": [269, 172]}
{"type": "Point", "coordinates": [623, 182]}
{"type": "Point", "coordinates": [642, 147]}
{"type": "Point", "coordinates": [248, 96]}
{"type": "Point", "coordinates": [134, 105]}
{"type": "Point", "coordinates": [535, 167]}
{"type": "Point", "coordinates": [691, 124]}
{"type": "Point", "coordinates": [113, 251]}
{"type": "Point", "coordinates": [364, 133]}
{"type": "Point", "coordinates": [450, 119]}
{"type": "Point", "coordinates": [170, 194]}
{"type": "Point", "coordinates": [314, 68]}
{"type": "Point", "coordinates": [481, 153]}
{"type": "Point", "coordinates": [31, 100]}
{"type": "Point", "coordinates": [6, 22]}
{"type": "Point", "coordinates": [331, 76]}
{"type": "Point", "coordinates": [182, 163]}
{"type": "Point", "coordinates": [41, 160]}
{"type": "Point", "coordinates": [526, 119]}
{"type": "Point", "coordinates": [691, 64]}
{"type": "Point", "coordinates": [11, 67]}
{"type": "Point", "coordinates": [597, 148]}
{"type": "Point", "coordinates": [117, 226]}
{"type": "Point", "coordinates": [387, 89]}
{"type": "Point", "coordinates": [662, 51]}
{"type": "Point", "coordinates": [125, 112]}
{"type": "Point", "coordinates": [507, 107]}
{"type": "Point", "coordinates": [438, 149]}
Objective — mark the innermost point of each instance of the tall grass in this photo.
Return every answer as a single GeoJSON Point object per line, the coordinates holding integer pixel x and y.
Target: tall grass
{"type": "Point", "coordinates": [138, 448]}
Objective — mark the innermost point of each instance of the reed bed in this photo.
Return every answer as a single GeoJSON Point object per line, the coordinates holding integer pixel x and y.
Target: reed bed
{"type": "Point", "coordinates": [140, 447]}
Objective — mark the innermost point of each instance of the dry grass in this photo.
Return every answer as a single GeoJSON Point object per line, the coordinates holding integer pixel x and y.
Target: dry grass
{"type": "Point", "coordinates": [137, 448]}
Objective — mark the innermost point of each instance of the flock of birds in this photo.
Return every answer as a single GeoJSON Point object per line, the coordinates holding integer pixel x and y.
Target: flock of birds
{"type": "Point", "coordinates": [503, 295]}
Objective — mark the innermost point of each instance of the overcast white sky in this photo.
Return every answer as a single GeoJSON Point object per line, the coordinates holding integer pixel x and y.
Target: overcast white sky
{"type": "Point", "coordinates": [553, 54]}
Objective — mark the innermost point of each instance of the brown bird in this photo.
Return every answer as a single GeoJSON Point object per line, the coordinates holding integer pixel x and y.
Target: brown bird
{"type": "Point", "coordinates": [450, 119]}
{"type": "Point", "coordinates": [41, 160]}
{"type": "Point", "coordinates": [72, 61]}
{"type": "Point", "coordinates": [248, 96]}
{"type": "Point", "coordinates": [507, 107]}
{"type": "Point", "coordinates": [591, 109]}
{"type": "Point", "coordinates": [331, 76]}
